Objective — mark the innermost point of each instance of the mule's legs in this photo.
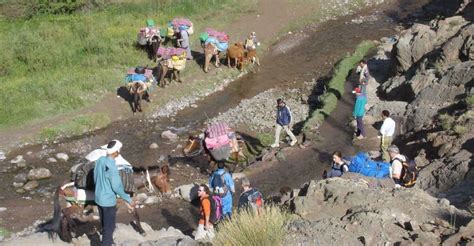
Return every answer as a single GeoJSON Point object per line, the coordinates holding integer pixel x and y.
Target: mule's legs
{"type": "Point", "coordinates": [176, 75]}
{"type": "Point", "coordinates": [136, 99]}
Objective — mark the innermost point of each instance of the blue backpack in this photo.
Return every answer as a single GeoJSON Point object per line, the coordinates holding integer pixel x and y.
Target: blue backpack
{"type": "Point", "coordinates": [218, 184]}
{"type": "Point", "coordinates": [361, 163]}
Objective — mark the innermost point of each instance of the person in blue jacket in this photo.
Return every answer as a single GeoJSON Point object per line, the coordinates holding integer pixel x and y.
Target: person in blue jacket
{"type": "Point", "coordinates": [283, 120]}
{"type": "Point", "coordinates": [359, 112]}
{"type": "Point", "coordinates": [108, 185]}
{"type": "Point", "coordinates": [222, 184]}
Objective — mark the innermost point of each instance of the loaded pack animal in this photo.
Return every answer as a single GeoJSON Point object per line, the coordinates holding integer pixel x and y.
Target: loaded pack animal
{"type": "Point", "coordinates": [139, 81]}
{"type": "Point", "coordinates": [210, 51]}
{"type": "Point", "coordinates": [236, 54]}
{"type": "Point", "coordinates": [166, 66]}
{"type": "Point", "coordinates": [136, 91]}
{"type": "Point", "coordinates": [196, 145]}
{"type": "Point", "coordinates": [150, 39]}
{"type": "Point", "coordinates": [251, 58]}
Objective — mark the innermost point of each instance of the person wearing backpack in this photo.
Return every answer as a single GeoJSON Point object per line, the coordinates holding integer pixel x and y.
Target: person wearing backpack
{"type": "Point", "coordinates": [250, 198]}
{"type": "Point", "coordinates": [221, 184]}
{"type": "Point", "coordinates": [338, 167]}
{"type": "Point", "coordinates": [205, 228]}
{"type": "Point", "coordinates": [403, 172]}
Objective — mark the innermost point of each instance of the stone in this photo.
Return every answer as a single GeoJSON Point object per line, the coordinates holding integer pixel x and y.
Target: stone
{"type": "Point", "coordinates": [280, 156]}
{"type": "Point", "coordinates": [169, 135]}
{"type": "Point", "coordinates": [2, 156]}
{"type": "Point", "coordinates": [238, 176]}
{"type": "Point", "coordinates": [62, 156]}
{"type": "Point", "coordinates": [21, 164]}
{"type": "Point", "coordinates": [20, 191]}
{"type": "Point", "coordinates": [20, 178]}
{"type": "Point", "coordinates": [187, 192]}
{"type": "Point", "coordinates": [426, 227]}
{"type": "Point", "coordinates": [153, 146]}
{"type": "Point", "coordinates": [31, 185]}
{"type": "Point", "coordinates": [17, 159]}
{"type": "Point", "coordinates": [18, 185]}
{"type": "Point", "coordinates": [444, 202]}
{"type": "Point", "coordinates": [141, 197]}
{"type": "Point", "coordinates": [3, 209]}
{"type": "Point", "coordinates": [51, 160]}
{"type": "Point", "coordinates": [39, 173]}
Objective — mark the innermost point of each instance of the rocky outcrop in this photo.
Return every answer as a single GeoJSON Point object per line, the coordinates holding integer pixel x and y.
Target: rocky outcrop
{"type": "Point", "coordinates": [341, 212]}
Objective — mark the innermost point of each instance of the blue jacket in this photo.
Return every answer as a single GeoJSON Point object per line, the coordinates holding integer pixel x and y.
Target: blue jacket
{"type": "Point", "coordinates": [108, 183]}
{"type": "Point", "coordinates": [136, 77]}
{"type": "Point", "coordinates": [359, 107]}
{"type": "Point", "coordinates": [283, 116]}
{"type": "Point", "coordinates": [227, 199]}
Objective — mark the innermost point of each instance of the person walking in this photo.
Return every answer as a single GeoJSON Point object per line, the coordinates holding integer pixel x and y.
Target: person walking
{"type": "Point", "coordinates": [184, 42]}
{"type": "Point", "coordinates": [205, 228]}
{"type": "Point", "coordinates": [359, 112]}
{"type": "Point", "coordinates": [221, 184]}
{"type": "Point", "coordinates": [364, 75]}
{"type": "Point", "coordinates": [283, 120]}
{"type": "Point", "coordinates": [108, 185]}
{"type": "Point", "coordinates": [250, 198]}
{"type": "Point", "coordinates": [386, 134]}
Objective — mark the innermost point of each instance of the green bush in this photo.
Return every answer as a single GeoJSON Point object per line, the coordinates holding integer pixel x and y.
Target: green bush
{"type": "Point", "coordinates": [248, 228]}
{"type": "Point", "coordinates": [328, 101]}
{"type": "Point", "coordinates": [460, 130]}
{"type": "Point", "coordinates": [470, 100]}
{"type": "Point", "coordinates": [446, 121]}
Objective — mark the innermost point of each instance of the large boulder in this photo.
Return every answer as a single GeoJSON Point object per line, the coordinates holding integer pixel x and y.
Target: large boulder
{"type": "Point", "coordinates": [187, 192]}
{"type": "Point", "coordinates": [413, 44]}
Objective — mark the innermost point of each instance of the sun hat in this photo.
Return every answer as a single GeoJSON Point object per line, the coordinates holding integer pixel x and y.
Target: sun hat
{"type": "Point", "coordinates": [113, 146]}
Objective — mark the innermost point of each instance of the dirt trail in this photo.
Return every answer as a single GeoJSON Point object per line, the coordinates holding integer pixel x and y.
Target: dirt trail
{"type": "Point", "coordinates": [319, 51]}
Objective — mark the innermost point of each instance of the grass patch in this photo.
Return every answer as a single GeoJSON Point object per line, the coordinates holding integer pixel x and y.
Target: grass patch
{"type": "Point", "coordinates": [52, 64]}
{"type": "Point", "coordinates": [328, 101]}
{"type": "Point", "coordinates": [247, 228]}
{"type": "Point", "coordinates": [460, 130]}
{"type": "Point", "coordinates": [470, 100]}
{"type": "Point", "coordinates": [446, 121]}
{"type": "Point", "coordinates": [77, 126]}
{"type": "Point", "coordinates": [4, 232]}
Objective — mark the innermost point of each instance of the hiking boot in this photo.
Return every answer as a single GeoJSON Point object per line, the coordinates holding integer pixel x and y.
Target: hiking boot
{"type": "Point", "coordinates": [293, 142]}
{"type": "Point", "coordinates": [275, 145]}
{"type": "Point", "coordinates": [360, 137]}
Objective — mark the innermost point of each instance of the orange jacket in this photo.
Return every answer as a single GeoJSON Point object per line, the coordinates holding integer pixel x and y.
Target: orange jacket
{"type": "Point", "coordinates": [205, 209]}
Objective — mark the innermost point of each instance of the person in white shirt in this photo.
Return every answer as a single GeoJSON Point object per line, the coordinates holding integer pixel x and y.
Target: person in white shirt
{"type": "Point", "coordinates": [396, 161]}
{"type": "Point", "coordinates": [386, 131]}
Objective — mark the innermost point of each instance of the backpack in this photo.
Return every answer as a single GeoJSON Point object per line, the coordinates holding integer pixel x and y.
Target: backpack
{"type": "Point", "coordinates": [409, 172]}
{"type": "Point", "coordinates": [219, 186]}
{"type": "Point", "coordinates": [216, 209]}
{"type": "Point", "coordinates": [255, 199]}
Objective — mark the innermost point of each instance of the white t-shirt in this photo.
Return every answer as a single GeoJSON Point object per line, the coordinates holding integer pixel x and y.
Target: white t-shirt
{"type": "Point", "coordinates": [397, 165]}
{"type": "Point", "coordinates": [388, 127]}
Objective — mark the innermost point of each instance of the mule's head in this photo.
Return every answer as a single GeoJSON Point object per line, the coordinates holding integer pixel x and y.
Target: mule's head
{"type": "Point", "coordinates": [191, 145]}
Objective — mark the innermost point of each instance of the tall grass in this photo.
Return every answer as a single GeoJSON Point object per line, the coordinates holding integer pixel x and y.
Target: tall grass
{"type": "Point", "coordinates": [335, 89]}
{"type": "Point", "coordinates": [52, 64]}
{"type": "Point", "coordinates": [247, 228]}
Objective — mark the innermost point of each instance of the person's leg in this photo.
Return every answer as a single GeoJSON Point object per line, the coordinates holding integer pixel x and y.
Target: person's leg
{"type": "Point", "coordinates": [292, 136]}
{"type": "Point", "coordinates": [385, 142]}
{"type": "Point", "coordinates": [109, 214]}
{"type": "Point", "coordinates": [101, 216]}
{"type": "Point", "coordinates": [200, 233]}
{"type": "Point", "coordinates": [360, 126]}
{"type": "Point", "coordinates": [277, 136]}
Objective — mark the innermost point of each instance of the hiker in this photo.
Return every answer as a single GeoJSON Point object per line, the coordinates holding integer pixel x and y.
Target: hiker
{"type": "Point", "coordinates": [221, 184]}
{"type": "Point", "coordinates": [386, 134]}
{"type": "Point", "coordinates": [205, 228]}
{"type": "Point", "coordinates": [338, 166]}
{"type": "Point", "coordinates": [359, 111]}
{"type": "Point", "coordinates": [364, 75]}
{"type": "Point", "coordinates": [107, 186]}
{"type": "Point", "coordinates": [250, 198]}
{"type": "Point", "coordinates": [396, 160]}
{"type": "Point", "coordinates": [184, 42]}
{"type": "Point", "coordinates": [139, 76]}
{"type": "Point", "coordinates": [283, 120]}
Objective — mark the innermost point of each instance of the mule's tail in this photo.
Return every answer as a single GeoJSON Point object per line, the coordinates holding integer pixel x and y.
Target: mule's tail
{"type": "Point", "coordinates": [52, 226]}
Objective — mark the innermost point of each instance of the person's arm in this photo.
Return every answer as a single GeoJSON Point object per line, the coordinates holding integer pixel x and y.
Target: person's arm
{"type": "Point", "coordinates": [230, 182]}
{"type": "Point", "coordinates": [210, 181]}
{"type": "Point", "coordinates": [116, 183]}
{"type": "Point", "coordinates": [397, 170]}
{"type": "Point", "coordinates": [206, 206]}
{"type": "Point", "coordinates": [383, 128]}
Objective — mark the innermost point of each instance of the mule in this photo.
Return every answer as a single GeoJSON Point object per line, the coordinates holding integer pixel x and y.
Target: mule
{"type": "Point", "coordinates": [236, 54]}
{"type": "Point", "coordinates": [251, 58]}
{"type": "Point", "coordinates": [67, 218]}
{"type": "Point", "coordinates": [210, 50]}
{"type": "Point", "coordinates": [164, 68]}
{"type": "Point", "coordinates": [196, 145]}
{"type": "Point", "coordinates": [136, 90]}
{"type": "Point", "coordinates": [159, 180]}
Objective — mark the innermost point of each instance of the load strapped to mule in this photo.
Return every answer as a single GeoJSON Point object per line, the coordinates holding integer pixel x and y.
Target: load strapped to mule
{"type": "Point", "coordinates": [82, 173]}
{"type": "Point", "coordinates": [221, 141]}
{"type": "Point", "coordinates": [182, 23]}
{"type": "Point", "coordinates": [149, 34]}
{"type": "Point", "coordinates": [174, 58]}
{"type": "Point", "coordinates": [220, 40]}
{"type": "Point", "coordinates": [140, 74]}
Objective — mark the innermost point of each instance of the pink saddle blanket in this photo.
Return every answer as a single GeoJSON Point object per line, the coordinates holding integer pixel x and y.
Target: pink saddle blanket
{"type": "Point", "coordinates": [217, 142]}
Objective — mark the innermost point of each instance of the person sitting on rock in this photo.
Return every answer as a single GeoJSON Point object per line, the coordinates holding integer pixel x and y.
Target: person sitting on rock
{"type": "Point", "coordinates": [338, 167]}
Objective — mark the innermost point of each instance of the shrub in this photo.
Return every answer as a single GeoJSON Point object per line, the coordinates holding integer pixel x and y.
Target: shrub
{"type": "Point", "coordinates": [470, 100]}
{"type": "Point", "coordinates": [458, 129]}
{"type": "Point", "coordinates": [446, 121]}
{"type": "Point", "coordinates": [247, 228]}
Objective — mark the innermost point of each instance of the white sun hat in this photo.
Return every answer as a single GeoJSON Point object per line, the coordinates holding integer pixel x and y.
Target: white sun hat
{"type": "Point", "coordinates": [116, 146]}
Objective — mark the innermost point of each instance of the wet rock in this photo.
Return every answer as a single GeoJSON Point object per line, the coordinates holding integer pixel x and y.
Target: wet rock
{"type": "Point", "coordinates": [31, 185]}
{"type": "Point", "coordinates": [2, 156]}
{"type": "Point", "coordinates": [39, 173]}
{"type": "Point", "coordinates": [62, 156]}
{"type": "Point", "coordinates": [21, 164]}
{"type": "Point", "coordinates": [51, 160]}
{"type": "Point", "coordinates": [153, 146]}
{"type": "Point", "coordinates": [169, 135]}
{"type": "Point", "coordinates": [20, 178]}
{"type": "Point", "coordinates": [3, 209]}
{"type": "Point", "coordinates": [187, 192]}
{"type": "Point", "coordinates": [17, 159]}
{"type": "Point", "coordinates": [20, 191]}
{"type": "Point", "coordinates": [18, 184]}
